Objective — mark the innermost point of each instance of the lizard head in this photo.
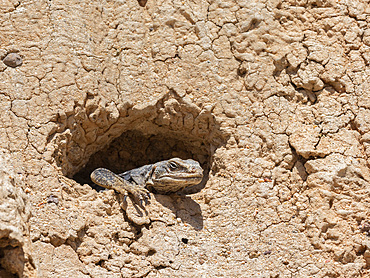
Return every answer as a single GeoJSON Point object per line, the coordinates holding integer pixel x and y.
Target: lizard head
{"type": "Point", "coordinates": [175, 174]}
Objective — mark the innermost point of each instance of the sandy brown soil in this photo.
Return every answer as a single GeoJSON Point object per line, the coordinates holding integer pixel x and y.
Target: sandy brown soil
{"type": "Point", "coordinates": [271, 97]}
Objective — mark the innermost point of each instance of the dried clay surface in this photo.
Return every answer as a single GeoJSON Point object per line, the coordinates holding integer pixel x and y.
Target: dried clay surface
{"type": "Point", "coordinates": [271, 97]}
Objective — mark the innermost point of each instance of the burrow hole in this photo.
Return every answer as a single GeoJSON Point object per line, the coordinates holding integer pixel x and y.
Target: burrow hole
{"type": "Point", "coordinates": [134, 149]}
{"type": "Point", "coordinates": [172, 128]}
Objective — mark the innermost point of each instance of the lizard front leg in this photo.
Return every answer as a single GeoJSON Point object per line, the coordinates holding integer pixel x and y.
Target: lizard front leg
{"type": "Point", "coordinates": [107, 179]}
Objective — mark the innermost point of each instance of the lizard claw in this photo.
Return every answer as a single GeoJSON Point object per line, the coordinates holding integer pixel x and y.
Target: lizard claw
{"type": "Point", "coordinates": [142, 195]}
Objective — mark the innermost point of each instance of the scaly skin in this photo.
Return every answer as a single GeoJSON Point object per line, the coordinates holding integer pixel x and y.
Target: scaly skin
{"type": "Point", "coordinates": [110, 180]}
{"type": "Point", "coordinates": [163, 177]}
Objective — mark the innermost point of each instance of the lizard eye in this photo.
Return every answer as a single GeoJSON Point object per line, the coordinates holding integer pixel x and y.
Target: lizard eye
{"type": "Point", "coordinates": [173, 165]}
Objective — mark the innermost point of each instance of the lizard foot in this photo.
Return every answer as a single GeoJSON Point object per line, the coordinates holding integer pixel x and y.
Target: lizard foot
{"type": "Point", "coordinates": [141, 194]}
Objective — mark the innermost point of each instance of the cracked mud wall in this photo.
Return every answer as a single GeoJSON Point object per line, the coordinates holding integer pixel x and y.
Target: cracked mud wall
{"type": "Point", "coordinates": [272, 96]}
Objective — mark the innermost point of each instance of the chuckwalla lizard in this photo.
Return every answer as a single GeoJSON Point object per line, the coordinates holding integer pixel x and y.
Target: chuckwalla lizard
{"type": "Point", "coordinates": [163, 177]}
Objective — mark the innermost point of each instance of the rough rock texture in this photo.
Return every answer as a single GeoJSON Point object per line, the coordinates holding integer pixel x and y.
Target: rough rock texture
{"type": "Point", "coordinates": [272, 97]}
{"type": "Point", "coordinates": [15, 245]}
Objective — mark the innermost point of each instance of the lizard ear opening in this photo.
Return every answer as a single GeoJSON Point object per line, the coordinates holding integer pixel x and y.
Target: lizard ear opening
{"type": "Point", "coordinates": [150, 175]}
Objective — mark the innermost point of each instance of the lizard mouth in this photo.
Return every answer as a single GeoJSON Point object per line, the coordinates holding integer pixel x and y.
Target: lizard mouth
{"type": "Point", "coordinates": [178, 179]}
{"type": "Point", "coordinates": [181, 177]}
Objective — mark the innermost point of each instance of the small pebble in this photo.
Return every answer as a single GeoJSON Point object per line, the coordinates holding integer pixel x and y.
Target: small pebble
{"type": "Point", "coordinates": [53, 199]}
{"type": "Point", "coordinates": [201, 260]}
{"type": "Point", "coordinates": [142, 3]}
{"type": "Point", "coordinates": [365, 227]}
{"type": "Point", "coordinates": [13, 60]}
{"type": "Point", "coordinates": [254, 254]}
